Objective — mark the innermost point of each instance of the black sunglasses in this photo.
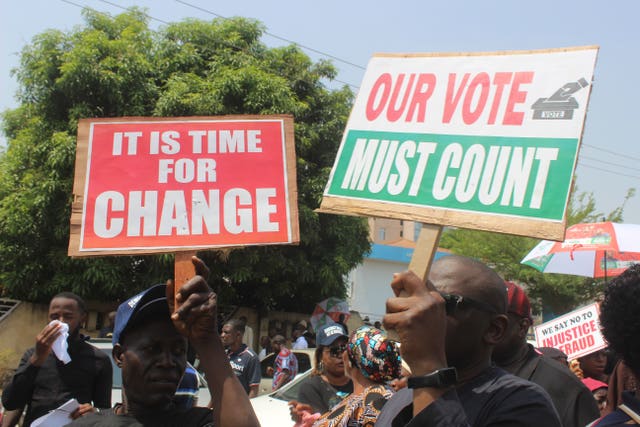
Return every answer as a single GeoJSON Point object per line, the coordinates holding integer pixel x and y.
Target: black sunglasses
{"type": "Point", "coordinates": [336, 351]}
{"type": "Point", "coordinates": [453, 302]}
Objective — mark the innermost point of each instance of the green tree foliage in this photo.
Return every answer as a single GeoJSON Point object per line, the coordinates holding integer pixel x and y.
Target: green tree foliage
{"type": "Point", "coordinates": [117, 66]}
{"type": "Point", "coordinates": [558, 292]}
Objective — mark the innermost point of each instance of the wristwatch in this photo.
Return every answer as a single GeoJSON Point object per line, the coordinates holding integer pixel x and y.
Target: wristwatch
{"type": "Point", "coordinates": [442, 378]}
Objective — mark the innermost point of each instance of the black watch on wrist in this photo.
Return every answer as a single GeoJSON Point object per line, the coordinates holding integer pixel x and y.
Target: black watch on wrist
{"type": "Point", "coordinates": [442, 378]}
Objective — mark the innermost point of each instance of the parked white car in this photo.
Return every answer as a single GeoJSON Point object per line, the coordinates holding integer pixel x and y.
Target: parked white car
{"type": "Point", "coordinates": [272, 409]}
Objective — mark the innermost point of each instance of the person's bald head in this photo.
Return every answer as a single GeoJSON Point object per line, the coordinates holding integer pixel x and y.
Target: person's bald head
{"type": "Point", "coordinates": [471, 278]}
{"type": "Point", "coordinates": [478, 320]}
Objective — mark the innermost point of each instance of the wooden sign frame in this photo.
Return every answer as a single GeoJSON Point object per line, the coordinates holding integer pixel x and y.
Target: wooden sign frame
{"type": "Point", "coordinates": [285, 178]}
{"type": "Point", "coordinates": [409, 100]}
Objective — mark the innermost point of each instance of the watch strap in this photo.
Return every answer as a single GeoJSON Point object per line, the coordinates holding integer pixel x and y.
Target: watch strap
{"type": "Point", "coordinates": [442, 378]}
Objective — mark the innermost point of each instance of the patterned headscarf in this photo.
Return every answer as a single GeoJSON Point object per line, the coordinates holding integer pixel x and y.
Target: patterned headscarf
{"type": "Point", "coordinates": [377, 357]}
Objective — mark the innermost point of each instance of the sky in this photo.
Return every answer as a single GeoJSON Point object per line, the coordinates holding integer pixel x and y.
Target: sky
{"type": "Point", "coordinates": [349, 32]}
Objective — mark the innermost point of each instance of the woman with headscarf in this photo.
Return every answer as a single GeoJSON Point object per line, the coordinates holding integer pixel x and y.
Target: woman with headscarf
{"type": "Point", "coordinates": [371, 360]}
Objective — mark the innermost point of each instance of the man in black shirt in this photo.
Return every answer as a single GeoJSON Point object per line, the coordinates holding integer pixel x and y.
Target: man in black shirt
{"type": "Point", "coordinates": [243, 360]}
{"type": "Point", "coordinates": [42, 382]}
{"type": "Point", "coordinates": [451, 324]}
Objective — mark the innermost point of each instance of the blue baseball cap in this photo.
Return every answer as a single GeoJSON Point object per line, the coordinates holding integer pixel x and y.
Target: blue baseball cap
{"type": "Point", "coordinates": [330, 332]}
{"type": "Point", "coordinates": [148, 303]}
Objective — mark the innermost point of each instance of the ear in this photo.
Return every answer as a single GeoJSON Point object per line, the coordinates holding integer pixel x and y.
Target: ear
{"type": "Point", "coordinates": [118, 354]}
{"type": "Point", "coordinates": [523, 327]}
{"type": "Point", "coordinates": [496, 329]}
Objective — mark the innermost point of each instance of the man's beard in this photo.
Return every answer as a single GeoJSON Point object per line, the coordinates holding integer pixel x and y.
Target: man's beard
{"type": "Point", "coordinates": [73, 335]}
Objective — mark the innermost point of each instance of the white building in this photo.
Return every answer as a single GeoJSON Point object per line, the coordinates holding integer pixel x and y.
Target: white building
{"type": "Point", "coordinates": [369, 282]}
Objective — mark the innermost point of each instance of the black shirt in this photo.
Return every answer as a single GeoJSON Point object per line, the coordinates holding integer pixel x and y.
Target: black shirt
{"type": "Point", "coordinates": [87, 378]}
{"type": "Point", "coordinates": [246, 365]}
{"type": "Point", "coordinates": [493, 398]}
{"type": "Point", "coordinates": [321, 395]}
{"type": "Point", "coordinates": [572, 399]}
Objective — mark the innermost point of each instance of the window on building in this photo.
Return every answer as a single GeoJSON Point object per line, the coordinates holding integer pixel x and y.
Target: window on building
{"type": "Point", "coordinates": [381, 233]}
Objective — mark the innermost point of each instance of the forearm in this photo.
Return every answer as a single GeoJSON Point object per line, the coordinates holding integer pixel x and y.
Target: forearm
{"type": "Point", "coordinates": [18, 392]}
{"type": "Point", "coordinates": [423, 397]}
{"type": "Point", "coordinates": [229, 401]}
{"type": "Point", "coordinates": [11, 418]}
{"type": "Point", "coordinates": [282, 379]}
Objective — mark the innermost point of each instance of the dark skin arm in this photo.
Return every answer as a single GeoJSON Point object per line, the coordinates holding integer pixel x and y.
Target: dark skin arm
{"type": "Point", "coordinates": [297, 409]}
{"type": "Point", "coordinates": [196, 318]}
{"type": "Point", "coordinates": [282, 379]}
{"type": "Point", "coordinates": [44, 343]}
{"type": "Point", "coordinates": [11, 418]}
{"type": "Point", "coordinates": [420, 320]}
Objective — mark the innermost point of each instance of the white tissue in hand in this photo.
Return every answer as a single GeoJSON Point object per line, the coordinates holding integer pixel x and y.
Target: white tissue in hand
{"type": "Point", "coordinates": [60, 344]}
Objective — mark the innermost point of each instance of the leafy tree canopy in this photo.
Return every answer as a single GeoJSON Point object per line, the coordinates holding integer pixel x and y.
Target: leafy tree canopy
{"type": "Point", "coordinates": [558, 292]}
{"type": "Point", "coordinates": [117, 66]}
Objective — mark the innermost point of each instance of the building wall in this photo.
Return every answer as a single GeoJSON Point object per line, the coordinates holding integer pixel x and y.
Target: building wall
{"type": "Point", "coordinates": [384, 229]}
{"type": "Point", "coordinates": [369, 287]}
{"type": "Point", "coordinates": [369, 282]}
{"type": "Point", "coordinates": [18, 332]}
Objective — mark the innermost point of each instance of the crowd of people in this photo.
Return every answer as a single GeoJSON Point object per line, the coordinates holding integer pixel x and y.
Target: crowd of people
{"type": "Point", "coordinates": [463, 360]}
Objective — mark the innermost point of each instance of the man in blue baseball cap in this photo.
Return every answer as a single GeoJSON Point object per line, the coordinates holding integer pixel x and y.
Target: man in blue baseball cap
{"type": "Point", "coordinates": [150, 346]}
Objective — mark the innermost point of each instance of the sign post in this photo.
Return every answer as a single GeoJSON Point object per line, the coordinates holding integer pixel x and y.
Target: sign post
{"type": "Point", "coordinates": [484, 141]}
{"type": "Point", "coordinates": [152, 185]}
{"type": "Point", "coordinates": [425, 251]}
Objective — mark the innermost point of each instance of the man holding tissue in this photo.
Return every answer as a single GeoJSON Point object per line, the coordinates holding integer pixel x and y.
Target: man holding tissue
{"type": "Point", "coordinates": [50, 374]}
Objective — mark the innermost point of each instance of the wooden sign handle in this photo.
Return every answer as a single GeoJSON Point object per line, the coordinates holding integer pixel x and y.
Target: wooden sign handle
{"type": "Point", "coordinates": [423, 254]}
{"type": "Point", "coordinates": [183, 270]}
{"type": "Point", "coordinates": [425, 251]}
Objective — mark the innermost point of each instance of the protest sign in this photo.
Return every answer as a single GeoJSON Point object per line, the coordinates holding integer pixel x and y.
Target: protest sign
{"type": "Point", "coordinates": [576, 333]}
{"type": "Point", "coordinates": [476, 140]}
{"type": "Point", "coordinates": [147, 185]}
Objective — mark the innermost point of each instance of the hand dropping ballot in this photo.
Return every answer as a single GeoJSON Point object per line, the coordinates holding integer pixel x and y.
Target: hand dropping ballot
{"type": "Point", "coordinates": [60, 345]}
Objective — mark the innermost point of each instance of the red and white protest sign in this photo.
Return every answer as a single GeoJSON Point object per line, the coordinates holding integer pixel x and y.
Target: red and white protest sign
{"type": "Point", "coordinates": [576, 333]}
{"type": "Point", "coordinates": [146, 185]}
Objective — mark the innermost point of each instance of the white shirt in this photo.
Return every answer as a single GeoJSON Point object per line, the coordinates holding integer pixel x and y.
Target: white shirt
{"type": "Point", "coordinates": [300, 343]}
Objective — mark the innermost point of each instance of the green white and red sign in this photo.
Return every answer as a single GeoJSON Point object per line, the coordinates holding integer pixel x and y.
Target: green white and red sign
{"type": "Point", "coordinates": [156, 185]}
{"type": "Point", "coordinates": [576, 333]}
{"type": "Point", "coordinates": [486, 141]}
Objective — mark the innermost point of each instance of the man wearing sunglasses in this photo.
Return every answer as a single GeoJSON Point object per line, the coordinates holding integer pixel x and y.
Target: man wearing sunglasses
{"type": "Point", "coordinates": [448, 329]}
